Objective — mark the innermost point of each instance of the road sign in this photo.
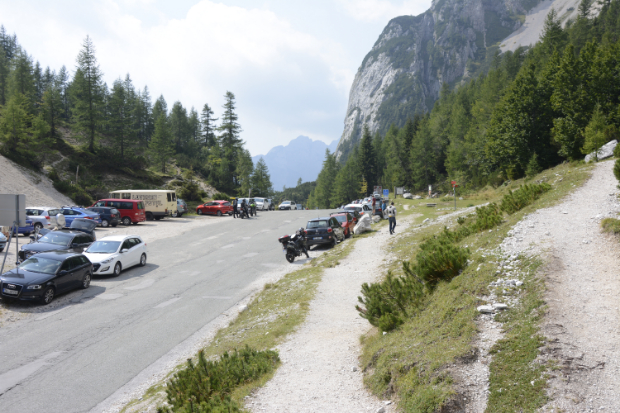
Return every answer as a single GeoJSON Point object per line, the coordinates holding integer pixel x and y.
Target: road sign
{"type": "Point", "coordinates": [399, 190]}
{"type": "Point", "coordinates": [377, 190]}
{"type": "Point", "coordinates": [454, 184]}
{"type": "Point", "coordinates": [12, 209]}
{"type": "Point", "coordinates": [386, 192]}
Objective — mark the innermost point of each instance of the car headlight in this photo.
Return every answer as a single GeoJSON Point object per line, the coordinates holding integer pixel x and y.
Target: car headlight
{"type": "Point", "coordinates": [109, 260]}
{"type": "Point", "coordinates": [34, 287]}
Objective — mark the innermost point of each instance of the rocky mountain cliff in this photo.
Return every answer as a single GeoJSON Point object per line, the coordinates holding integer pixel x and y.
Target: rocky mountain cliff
{"type": "Point", "coordinates": [301, 158]}
{"type": "Point", "coordinates": [415, 55]}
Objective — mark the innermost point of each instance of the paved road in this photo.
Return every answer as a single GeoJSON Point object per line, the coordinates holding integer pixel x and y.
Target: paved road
{"type": "Point", "coordinates": [72, 358]}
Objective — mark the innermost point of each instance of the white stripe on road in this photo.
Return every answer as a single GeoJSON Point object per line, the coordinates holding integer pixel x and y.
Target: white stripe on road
{"type": "Point", "coordinates": [167, 303]}
{"type": "Point", "coordinates": [144, 284]}
{"type": "Point", "coordinates": [213, 237]}
{"type": "Point", "coordinates": [51, 313]}
{"type": "Point", "coordinates": [106, 296]}
{"type": "Point", "coordinates": [250, 255]}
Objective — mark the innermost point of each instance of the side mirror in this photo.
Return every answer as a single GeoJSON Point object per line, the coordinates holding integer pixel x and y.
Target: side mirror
{"type": "Point", "coordinates": [63, 272]}
{"type": "Point", "coordinates": [124, 250]}
{"type": "Point", "coordinates": [74, 245]}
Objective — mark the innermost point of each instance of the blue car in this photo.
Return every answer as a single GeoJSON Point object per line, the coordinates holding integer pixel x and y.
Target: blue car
{"type": "Point", "coordinates": [73, 212]}
{"type": "Point", "coordinates": [26, 229]}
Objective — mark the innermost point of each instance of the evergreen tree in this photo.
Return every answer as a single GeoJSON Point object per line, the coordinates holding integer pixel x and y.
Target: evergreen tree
{"type": "Point", "coordinates": [261, 180]}
{"type": "Point", "coordinates": [62, 82]}
{"type": "Point", "coordinates": [322, 194]}
{"type": "Point", "coordinates": [121, 119]}
{"type": "Point", "coordinates": [160, 108]}
{"type": "Point", "coordinates": [553, 36]}
{"type": "Point", "coordinates": [162, 144]}
{"type": "Point", "coordinates": [367, 160]}
{"type": "Point", "coordinates": [21, 79]}
{"type": "Point", "coordinates": [88, 93]}
{"type": "Point", "coordinates": [244, 172]}
{"type": "Point", "coordinates": [179, 126]}
{"type": "Point", "coordinates": [4, 78]}
{"type": "Point", "coordinates": [595, 136]}
{"type": "Point", "coordinates": [52, 107]}
{"type": "Point", "coordinates": [208, 126]}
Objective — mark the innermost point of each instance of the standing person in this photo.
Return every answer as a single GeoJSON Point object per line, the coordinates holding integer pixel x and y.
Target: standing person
{"type": "Point", "coordinates": [235, 212]}
{"type": "Point", "coordinates": [373, 204]}
{"type": "Point", "coordinates": [383, 206]}
{"type": "Point", "coordinates": [391, 211]}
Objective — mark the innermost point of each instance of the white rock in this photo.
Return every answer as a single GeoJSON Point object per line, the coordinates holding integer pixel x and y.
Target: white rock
{"type": "Point", "coordinates": [381, 409]}
{"type": "Point", "coordinates": [408, 196]}
{"type": "Point", "coordinates": [485, 309]}
{"type": "Point", "coordinates": [605, 152]}
{"type": "Point", "coordinates": [363, 225]}
{"type": "Point", "coordinates": [376, 218]}
{"type": "Point", "coordinates": [500, 306]}
{"type": "Point", "coordinates": [243, 308]}
{"type": "Point", "coordinates": [426, 220]}
{"type": "Point", "coordinates": [519, 283]}
{"type": "Point", "coordinates": [353, 368]}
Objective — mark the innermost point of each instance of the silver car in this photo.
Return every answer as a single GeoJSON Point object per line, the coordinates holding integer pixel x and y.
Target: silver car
{"type": "Point", "coordinates": [43, 217]}
{"type": "Point", "coordinates": [3, 241]}
{"type": "Point", "coordinates": [263, 204]}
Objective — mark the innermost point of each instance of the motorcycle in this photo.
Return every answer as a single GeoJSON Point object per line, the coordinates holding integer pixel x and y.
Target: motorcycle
{"type": "Point", "coordinates": [294, 246]}
{"type": "Point", "coordinates": [243, 213]}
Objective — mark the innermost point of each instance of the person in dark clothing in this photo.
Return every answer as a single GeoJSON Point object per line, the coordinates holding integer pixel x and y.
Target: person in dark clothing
{"type": "Point", "coordinates": [391, 211]}
{"type": "Point", "coordinates": [235, 212]}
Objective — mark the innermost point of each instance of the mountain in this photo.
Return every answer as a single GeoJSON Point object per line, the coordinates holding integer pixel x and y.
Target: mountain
{"type": "Point", "coordinates": [415, 56]}
{"type": "Point", "coordinates": [301, 158]}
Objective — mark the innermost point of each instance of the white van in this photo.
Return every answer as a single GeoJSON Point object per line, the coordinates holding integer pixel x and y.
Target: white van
{"type": "Point", "coordinates": [158, 203]}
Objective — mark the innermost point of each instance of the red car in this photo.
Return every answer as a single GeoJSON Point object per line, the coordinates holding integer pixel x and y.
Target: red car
{"type": "Point", "coordinates": [218, 208]}
{"type": "Point", "coordinates": [347, 222]}
{"type": "Point", "coordinates": [131, 210]}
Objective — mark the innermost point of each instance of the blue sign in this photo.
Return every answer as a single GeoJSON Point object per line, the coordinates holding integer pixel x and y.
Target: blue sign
{"type": "Point", "coordinates": [386, 192]}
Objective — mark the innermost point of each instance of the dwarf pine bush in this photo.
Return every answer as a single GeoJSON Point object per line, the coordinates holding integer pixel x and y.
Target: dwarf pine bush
{"type": "Point", "coordinates": [439, 260]}
{"type": "Point", "coordinates": [522, 197]}
{"type": "Point", "coordinates": [206, 387]}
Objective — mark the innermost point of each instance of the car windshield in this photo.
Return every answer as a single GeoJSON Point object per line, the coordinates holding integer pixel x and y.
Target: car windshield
{"type": "Point", "coordinates": [104, 247]}
{"type": "Point", "coordinates": [42, 265]}
{"type": "Point", "coordinates": [317, 224]}
{"type": "Point", "coordinates": [56, 238]}
{"type": "Point", "coordinates": [341, 218]}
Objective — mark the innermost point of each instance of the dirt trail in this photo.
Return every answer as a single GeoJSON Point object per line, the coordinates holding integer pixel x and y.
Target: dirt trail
{"type": "Point", "coordinates": [583, 290]}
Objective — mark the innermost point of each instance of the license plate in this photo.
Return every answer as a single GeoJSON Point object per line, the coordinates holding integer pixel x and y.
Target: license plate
{"type": "Point", "coordinates": [284, 250]}
{"type": "Point", "coordinates": [13, 292]}
{"type": "Point", "coordinates": [318, 237]}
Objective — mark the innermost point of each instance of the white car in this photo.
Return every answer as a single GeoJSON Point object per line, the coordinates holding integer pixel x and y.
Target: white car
{"type": "Point", "coordinates": [110, 255]}
{"type": "Point", "coordinates": [361, 209]}
{"type": "Point", "coordinates": [263, 204]}
{"type": "Point", "coordinates": [286, 205]}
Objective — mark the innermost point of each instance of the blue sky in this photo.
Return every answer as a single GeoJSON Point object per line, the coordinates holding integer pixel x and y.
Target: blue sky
{"type": "Point", "coordinates": [289, 63]}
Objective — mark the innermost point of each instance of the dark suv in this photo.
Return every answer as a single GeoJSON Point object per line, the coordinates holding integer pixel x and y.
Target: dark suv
{"type": "Point", "coordinates": [109, 216]}
{"type": "Point", "coordinates": [76, 239]}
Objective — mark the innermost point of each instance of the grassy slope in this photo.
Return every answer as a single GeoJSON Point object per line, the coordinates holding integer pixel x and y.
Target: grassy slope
{"type": "Point", "coordinates": [413, 362]}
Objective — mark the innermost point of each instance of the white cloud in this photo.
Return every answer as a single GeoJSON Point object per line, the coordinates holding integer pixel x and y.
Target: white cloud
{"type": "Point", "coordinates": [383, 10]}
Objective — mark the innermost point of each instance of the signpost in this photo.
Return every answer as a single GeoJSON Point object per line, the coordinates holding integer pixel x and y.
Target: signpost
{"type": "Point", "coordinates": [12, 214]}
{"type": "Point", "coordinates": [399, 190]}
{"type": "Point", "coordinates": [386, 193]}
{"type": "Point", "coordinates": [377, 190]}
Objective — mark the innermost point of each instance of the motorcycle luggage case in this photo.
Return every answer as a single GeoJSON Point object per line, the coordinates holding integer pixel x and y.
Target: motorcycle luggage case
{"type": "Point", "coordinates": [285, 239]}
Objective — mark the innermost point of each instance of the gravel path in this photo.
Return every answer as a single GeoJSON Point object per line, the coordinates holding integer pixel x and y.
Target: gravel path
{"type": "Point", "coordinates": [582, 321]}
{"type": "Point", "coordinates": [320, 370]}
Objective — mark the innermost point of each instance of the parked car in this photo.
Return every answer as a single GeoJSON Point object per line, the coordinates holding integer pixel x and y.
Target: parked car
{"type": "Point", "coordinates": [157, 203]}
{"type": "Point", "coordinates": [360, 209]}
{"type": "Point", "coordinates": [181, 208]}
{"type": "Point", "coordinates": [110, 255]}
{"type": "Point", "coordinates": [346, 222]}
{"type": "Point", "coordinates": [110, 217]}
{"type": "Point", "coordinates": [355, 216]}
{"type": "Point", "coordinates": [42, 277]}
{"type": "Point", "coordinates": [218, 208]}
{"type": "Point", "coordinates": [131, 210]}
{"type": "Point", "coordinates": [286, 205]}
{"type": "Point", "coordinates": [26, 229]}
{"type": "Point", "coordinates": [299, 207]}
{"type": "Point", "coordinates": [263, 204]}
{"type": "Point", "coordinates": [76, 239]}
{"type": "Point", "coordinates": [321, 231]}
{"type": "Point", "coordinates": [42, 217]}
{"type": "Point", "coordinates": [3, 241]}
{"type": "Point", "coordinates": [73, 212]}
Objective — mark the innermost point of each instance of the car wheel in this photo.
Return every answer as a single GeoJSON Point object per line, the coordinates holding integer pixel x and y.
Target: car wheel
{"type": "Point", "coordinates": [149, 216]}
{"type": "Point", "coordinates": [48, 295]}
{"type": "Point", "coordinates": [86, 281]}
{"type": "Point", "coordinates": [175, 214]}
{"type": "Point", "coordinates": [200, 212]}
{"type": "Point", "coordinates": [126, 221]}
{"type": "Point", "coordinates": [105, 223]}
{"type": "Point", "coordinates": [179, 214]}
{"type": "Point", "coordinates": [113, 225]}
{"type": "Point", "coordinates": [219, 213]}
{"type": "Point", "coordinates": [117, 269]}
{"type": "Point", "coordinates": [38, 226]}
{"type": "Point", "coordinates": [143, 260]}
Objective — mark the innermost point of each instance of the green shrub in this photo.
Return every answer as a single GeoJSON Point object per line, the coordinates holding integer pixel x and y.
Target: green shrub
{"type": "Point", "coordinates": [440, 260]}
{"type": "Point", "coordinates": [206, 387]}
{"type": "Point", "coordinates": [387, 303]}
{"type": "Point", "coordinates": [522, 197]}
{"type": "Point", "coordinates": [221, 197]}
{"type": "Point", "coordinates": [611, 225]}
{"type": "Point", "coordinates": [487, 217]}
{"type": "Point", "coordinates": [617, 167]}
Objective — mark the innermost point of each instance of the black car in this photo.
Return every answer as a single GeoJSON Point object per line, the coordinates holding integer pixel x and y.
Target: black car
{"type": "Point", "coordinates": [42, 277]}
{"type": "Point", "coordinates": [76, 239]}
{"type": "Point", "coordinates": [109, 216]}
{"type": "Point", "coordinates": [322, 231]}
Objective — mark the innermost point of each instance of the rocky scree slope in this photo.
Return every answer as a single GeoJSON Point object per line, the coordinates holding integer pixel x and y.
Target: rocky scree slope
{"type": "Point", "coordinates": [415, 55]}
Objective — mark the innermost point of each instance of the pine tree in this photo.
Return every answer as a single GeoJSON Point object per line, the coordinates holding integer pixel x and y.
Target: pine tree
{"type": "Point", "coordinates": [322, 194]}
{"type": "Point", "coordinates": [121, 119]}
{"type": "Point", "coordinates": [367, 160]}
{"type": "Point", "coordinates": [21, 79]}
{"type": "Point", "coordinates": [88, 94]}
{"type": "Point", "coordinates": [208, 126]}
{"type": "Point", "coordinates": [595, 136]}
{"type": "Point", "coordinates": [160, 108]}
{"type": "Point", "coordinates": [179, 126]}
{"type": "Point", "coordinates": [61, 80]}
{"type": "Point", "coordinates": [244, 172]}
{"type": "Point", "coordinates": [162, 146]}
{"type": "Point", "coordinates": [4, 78]}
{"type": "Point", "coordinates": [52, 107]}
{"type": "Point", "coordinates": [261, 180]}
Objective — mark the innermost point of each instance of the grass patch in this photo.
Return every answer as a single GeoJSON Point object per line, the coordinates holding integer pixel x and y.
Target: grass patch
{"type": "Point", "coordinates": [274, 313]}
{"type": "Point", "coordinates": [611, 225]}
{"type": "Point", "coordinates": [413, 361]}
